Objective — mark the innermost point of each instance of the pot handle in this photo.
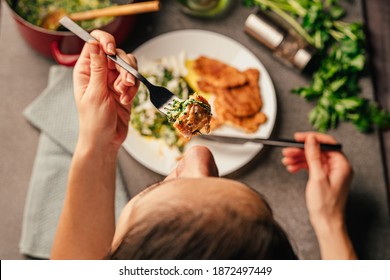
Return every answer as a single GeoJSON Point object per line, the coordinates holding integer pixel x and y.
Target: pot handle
{"type": "Point", "coordinates": [62, 58]}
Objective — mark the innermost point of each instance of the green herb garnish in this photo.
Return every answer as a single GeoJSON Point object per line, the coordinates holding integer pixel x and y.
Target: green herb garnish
{"type": "Point", "coordinates": [179, 108]}
{"type": "Point", "coordinates": [341, 50]}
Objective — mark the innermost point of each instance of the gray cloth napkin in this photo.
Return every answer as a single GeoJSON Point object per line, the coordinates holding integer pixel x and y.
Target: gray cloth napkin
{"type": "Point", "coordinates": [54, 113]}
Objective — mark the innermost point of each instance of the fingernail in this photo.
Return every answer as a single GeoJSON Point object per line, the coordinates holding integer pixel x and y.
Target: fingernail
{"type": "Point", "coordinates": [111, 48]}
{"type": "Point", "coordinates": [312, 142]}
{"type": "Point", "coordinates": [94, 48]}
{"type": "Point", "coordinates": [311, 139]}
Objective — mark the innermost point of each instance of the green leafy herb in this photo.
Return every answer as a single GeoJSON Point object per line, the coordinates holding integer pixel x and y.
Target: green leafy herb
{"type": "Point", "coordinates": [341, 50]}
{"type": "Point", "coordinates": [179, 107]}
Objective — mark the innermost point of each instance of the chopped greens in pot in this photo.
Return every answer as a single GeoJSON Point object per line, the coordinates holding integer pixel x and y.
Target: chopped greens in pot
{"type": "Point", "coordinates": [34, 11]}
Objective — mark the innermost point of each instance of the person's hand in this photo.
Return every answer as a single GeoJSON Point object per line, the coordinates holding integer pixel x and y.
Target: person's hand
{"type": "Point", "coordinates": [330, 175]}
{"type": "Point", "coordinates": [103, 93]}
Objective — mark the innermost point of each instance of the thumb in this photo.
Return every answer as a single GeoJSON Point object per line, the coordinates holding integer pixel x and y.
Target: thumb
{"type": "Point", "coordinates": [98, 65]}
{"type": "Point", "coordinates": [313, 157]}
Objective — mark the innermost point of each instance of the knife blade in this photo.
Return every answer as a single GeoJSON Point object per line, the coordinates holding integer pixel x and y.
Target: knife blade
{"type": "Point", "coordinates": [269, 142]}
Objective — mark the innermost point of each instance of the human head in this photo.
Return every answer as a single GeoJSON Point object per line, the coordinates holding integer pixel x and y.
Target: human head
{"type": "Point", "coordinates": [194, 214]}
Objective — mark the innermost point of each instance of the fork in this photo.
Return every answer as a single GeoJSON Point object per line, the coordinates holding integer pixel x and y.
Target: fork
{"type": "Point", "coordinates": [160, 97]}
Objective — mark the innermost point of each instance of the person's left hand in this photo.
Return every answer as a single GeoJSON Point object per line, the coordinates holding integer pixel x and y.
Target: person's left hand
{"type": "Point", "coordinates": [330, 176]}
{"type": "Point", "coordinates": [103, 93]}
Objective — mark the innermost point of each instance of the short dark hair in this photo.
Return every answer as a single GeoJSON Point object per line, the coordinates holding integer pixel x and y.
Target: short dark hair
{"type": "Point", "coordinates": [183, 234]}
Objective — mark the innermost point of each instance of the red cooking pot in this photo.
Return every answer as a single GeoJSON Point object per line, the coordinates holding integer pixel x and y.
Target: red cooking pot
{"type": "Point", "coordinates": [64, 46]}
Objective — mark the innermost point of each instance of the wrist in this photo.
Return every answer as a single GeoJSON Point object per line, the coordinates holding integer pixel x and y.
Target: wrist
{"type": "Point", "coordinates": [97, 151]}
{"type": "Point", "coordinates": [103, 139]}
{"type": "Point", "coordinates": [334, 241]}
{"type": "Point", "coordinates": [326, 227]}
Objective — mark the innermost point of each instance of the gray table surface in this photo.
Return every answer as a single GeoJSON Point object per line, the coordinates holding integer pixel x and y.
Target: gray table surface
{"type": "Point", "coordinates": [24, 73]}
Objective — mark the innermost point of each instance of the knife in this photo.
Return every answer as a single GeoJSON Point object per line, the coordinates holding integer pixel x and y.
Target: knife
{"type": "Point", "coordinates": [269, 142]}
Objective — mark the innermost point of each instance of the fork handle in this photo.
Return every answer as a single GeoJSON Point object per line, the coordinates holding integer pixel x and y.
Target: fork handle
{"type": "Point", "coordinates": [84, 35]}
{"type": "Point", "coordinates": [118, 60]}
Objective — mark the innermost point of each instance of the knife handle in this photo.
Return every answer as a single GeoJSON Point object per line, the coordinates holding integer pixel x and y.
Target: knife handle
{"type": "Point", "coordinates": [301, 145]}
{"type": "Point", "coordinates": [331, 147]}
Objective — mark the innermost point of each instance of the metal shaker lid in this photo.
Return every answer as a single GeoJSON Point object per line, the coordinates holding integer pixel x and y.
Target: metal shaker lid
{"type": "Point", "coordinates": [264, 30]}
{"type": "Point", "coordinates": [302, 58]}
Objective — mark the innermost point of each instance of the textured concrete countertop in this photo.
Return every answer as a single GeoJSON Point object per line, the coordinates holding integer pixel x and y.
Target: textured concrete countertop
{"type": "Point", "coordinates": [24, 73]}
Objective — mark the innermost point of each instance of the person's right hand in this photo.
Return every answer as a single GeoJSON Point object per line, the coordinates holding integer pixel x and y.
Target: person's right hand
{"type": "Point", "coordinates": [330, 175]}
{"type": "Point", "coordinates": [103, 93]}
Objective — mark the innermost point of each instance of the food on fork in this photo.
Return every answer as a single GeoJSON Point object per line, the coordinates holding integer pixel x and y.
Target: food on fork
{"type": "Point", "coordinates": [190, 116]}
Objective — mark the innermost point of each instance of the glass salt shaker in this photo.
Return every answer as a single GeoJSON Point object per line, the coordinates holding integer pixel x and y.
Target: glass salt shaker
{"type": "Point", "coordinates": [289, 47]}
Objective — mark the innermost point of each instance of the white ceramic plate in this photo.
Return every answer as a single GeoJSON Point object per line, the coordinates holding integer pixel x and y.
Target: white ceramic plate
{"type": "Point", "coordinates": [154, 154]}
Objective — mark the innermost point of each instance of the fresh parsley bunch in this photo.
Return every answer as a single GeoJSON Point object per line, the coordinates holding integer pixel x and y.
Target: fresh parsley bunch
{"type": "Point", "coordinates": [341, 51]}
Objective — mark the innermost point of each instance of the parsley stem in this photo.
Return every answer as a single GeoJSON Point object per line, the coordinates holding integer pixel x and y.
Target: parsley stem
{"type": "Point", "coordinates": [289, 19]}
{"type": "Point", "coordinates": [345, 28]}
